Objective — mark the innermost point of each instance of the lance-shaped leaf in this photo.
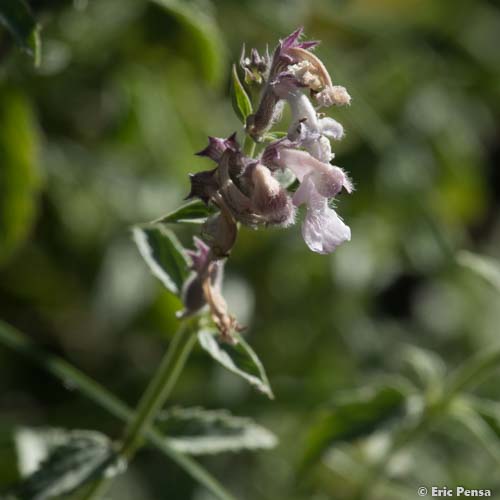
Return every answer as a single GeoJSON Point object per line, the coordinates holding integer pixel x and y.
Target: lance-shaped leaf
{"type": "Point", "coordinates": [67, 460]}
{"type": "Point", "coordinates": [16, 16]}
{"type": "Point", "coordinates": [241, 102]}
{"type": "Point", "coordinates": [163, 254]}
{"type": "Point", "coordinates": [238, 358]}
{"type": "Point", "coordinates": [354, 415]}
{"type": "Point", "coordinates": [193, 212]}
{"type": "Point", "coordinates": [198, 431]}
{"type": "Point", "coordinates": [485, 267]}
{"type": "Point", "coordinates": [20, 181]}
{"type": "Point", "coordinates": [202, 34]}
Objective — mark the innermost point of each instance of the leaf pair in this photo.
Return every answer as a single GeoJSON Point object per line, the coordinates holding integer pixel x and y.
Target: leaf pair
{"type": "Point", "coordinates": [168, 261]}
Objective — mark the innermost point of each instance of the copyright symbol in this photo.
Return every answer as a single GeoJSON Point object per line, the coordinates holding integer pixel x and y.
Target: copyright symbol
{"type": "Point", "coordinates": [422, 491]}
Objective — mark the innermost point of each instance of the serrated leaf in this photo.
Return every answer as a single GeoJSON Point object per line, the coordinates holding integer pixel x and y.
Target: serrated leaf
{"type": "Point", "coordinates": [485, 267]}
{"type": "Point", "coordinates": [198, 431]}
{"type": "Point", "coordinates": [204, 37]}
{"type": "Point", "coordinates": [163, 254]}
{"type": "Point", "coordinates": [242, 104]}
{"type": "Point", "coordinates": [194, 212]}
{"type": "Point", "coordinates": [16, 16]}
{"type": "Point", "coordinates": [238, 358]}
{"type": "Point", "coordinates": [353, 415]}
{"type": "Point", "coordinates": [78, 456]}
{"type": "Point", "coordinates": [19, 173]}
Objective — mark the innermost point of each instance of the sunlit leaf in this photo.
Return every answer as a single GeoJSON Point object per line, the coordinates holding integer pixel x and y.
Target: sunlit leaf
{"type": "Point", "coordinates": [193, 212]}
{"type": "Point", "coordinates": [352, 416]}
{"type": "Point", "coordinates": [205, 39]}
{"type": "Point", "coordinates": [238, 358]}
{"type": "Point", "coordinates": [163, 254]}
{"type": "Point", "coordinates": [241, 102]}
{"type": "Point", "coordinates": [485, 267]}
{"type": "Point", "coordinates": [71, 459]}
{"type": "Point", "coordinates": [198, 431]}
{"type": "Point", "coordinates": [18, 19]}
{"type": "Point", "coordinates": [19, 174]}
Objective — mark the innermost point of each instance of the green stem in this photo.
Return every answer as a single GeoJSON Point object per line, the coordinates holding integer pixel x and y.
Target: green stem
{"type": "Point", "coordinates": [152, 401]}
{"type": "Point", "coordinates": [16, 340]}
{"type": "Point", "coordinates": [249, 146]}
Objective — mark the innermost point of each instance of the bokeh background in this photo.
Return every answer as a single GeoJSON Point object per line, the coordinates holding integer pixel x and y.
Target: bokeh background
{"type": "Point", "coordinates": [101, 136]}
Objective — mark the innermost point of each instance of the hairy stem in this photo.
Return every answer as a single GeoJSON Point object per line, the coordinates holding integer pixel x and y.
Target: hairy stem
{"type": "Point", "coordinates": [152, 401]}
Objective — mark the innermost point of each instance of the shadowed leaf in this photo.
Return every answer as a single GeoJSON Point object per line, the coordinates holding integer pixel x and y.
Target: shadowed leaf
{"type": "Point", "coordinates": [164, 255]}
{"type": "Point", "coordinates": [204, 35]}
{"type": "Point", "coordinates": [355, 415]}
{"type": "Point", "coordinates": [18, 19]}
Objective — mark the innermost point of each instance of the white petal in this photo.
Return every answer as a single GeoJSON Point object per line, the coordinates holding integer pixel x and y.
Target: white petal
{"type": "Point", "coordinates": [323, 230]}
{"type": "Point", "coordinates": [305, 192]}
{"type": "Point", "coordinates": [331, 128]}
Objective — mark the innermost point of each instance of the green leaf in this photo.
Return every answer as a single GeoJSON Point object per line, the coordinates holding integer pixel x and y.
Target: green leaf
{"type": "Point", "coordinates": [194, 212]}
{"type": "Point", "coordinates": [72, 377]}
{"type": "Point", "coordinates": [352, 416]}
{"type": "Point", "coordinates": [485, 267]}
{"type": "Point", "coordinates": [273, 136]}
{"type": "Point", "coordinates": [427, 366]}
{"type": "Point", "coordinates": [16, 16]}
{"type": "Point", "coordinates": [163, 254]}
{"type": "Point", "coordinates": [19, 173]}
{"type": "Point", "coordinates": [241, 102]}
{"type": "Point", "coordinates": [71, 459]}
{"type": "Point", "coordinates": [203, 38]}
{"type": "Point", "coordinates": [198, 431]}
{"type": "Point", "coordinates": [479, 428]}
{"type": "Point", "coordinates": [488, 410]}
{"type": "Point", "coordinates": [238, 358]}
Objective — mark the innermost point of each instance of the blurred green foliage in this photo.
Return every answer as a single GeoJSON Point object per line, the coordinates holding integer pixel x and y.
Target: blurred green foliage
{"type": "Point", "coordinates": [125, 93]}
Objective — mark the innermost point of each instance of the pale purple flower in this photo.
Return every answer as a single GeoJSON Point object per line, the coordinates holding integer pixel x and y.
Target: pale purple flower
{"type": "Point", "coordinates": [294, 67]}
{"type": "Point", "coordinates": [309, 131]}
{"type": "Point", "coordinates": [323, 230]}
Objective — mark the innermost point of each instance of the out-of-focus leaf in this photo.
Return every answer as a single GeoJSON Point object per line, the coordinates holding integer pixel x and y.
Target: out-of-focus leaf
{"type": "Point", "coordinates": [163, 254]}
{"type": "Point", "coordinates": [485, 267]}
{"type": "Point", "coordinates": [461, 411]}
{"type": "Point", "coordinates": [427, 365]}
{"type": "Point", "coordinates": [473, 372]}
{"type": "Point", "coordinates": [489, 410]}
{"type": "Point", "coordinates": [194, 212]}
{"type": "Point", "coordinates": [241, 102]}
{"type": "Point", "coordinates": [205, 38]}
{"type": "Point", "coordinates": [73, 377]}
{"type": "Point", "coordinates": [352, 416]}
{"type": "Point", "coordinates": [238, 358]}
{"type": "Point", "coordinates": [18, 19]}
{"type": "Point", "coordinates": [78, 457]}
{"type": "Point", "coordinates": [198, 431]}
{"type": "Point", "coordinates": [19, 174]}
